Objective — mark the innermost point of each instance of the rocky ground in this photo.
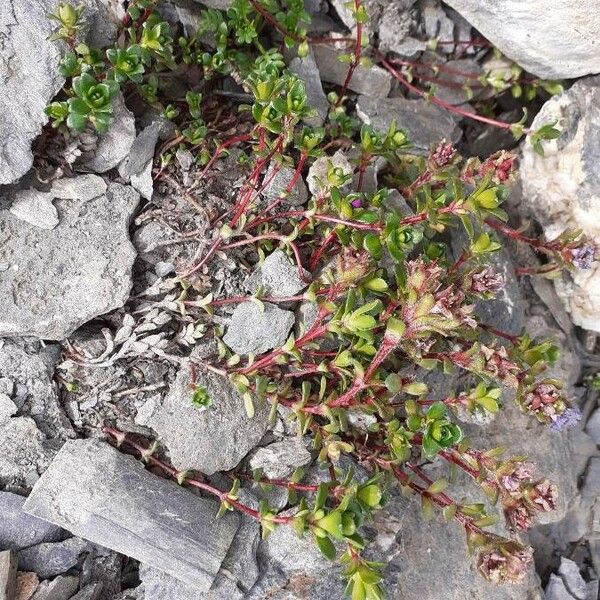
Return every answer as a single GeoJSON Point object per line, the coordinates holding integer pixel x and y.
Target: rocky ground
{"type": "Point", "coordinates": [91, 243]}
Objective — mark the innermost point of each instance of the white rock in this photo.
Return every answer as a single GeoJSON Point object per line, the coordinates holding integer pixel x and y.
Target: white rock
{"type": "Point", "coordinates": [563, 188]}
{"type": "Point", "coordinates": [116, 143]}
{"type": "Point", "coordinates": [7, 408]}
{"type": "Point", "coordinates": [58, 280]}
{"type": "Point", "coordinates": [593, 426]}
{"type": "Point", "coordinates": [317, 174]}
{"type": "Point", "coordinates": [35, 208]}
{"type": "Point", "coordinates": [552, 39]}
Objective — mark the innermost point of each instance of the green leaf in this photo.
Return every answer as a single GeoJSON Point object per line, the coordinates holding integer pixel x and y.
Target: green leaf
{"type": "Point", "coordinates": [415, 389]}
{"type": "Point", "coordinates": [326, 547]}
{"type": "Point", "coordinates": [249, 405]}
{"type": "Point", "coordinates": [438, 486]}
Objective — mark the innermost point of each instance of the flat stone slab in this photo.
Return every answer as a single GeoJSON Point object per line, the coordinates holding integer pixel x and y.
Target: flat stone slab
{"type": "Point", "coordinates": [109, 498]}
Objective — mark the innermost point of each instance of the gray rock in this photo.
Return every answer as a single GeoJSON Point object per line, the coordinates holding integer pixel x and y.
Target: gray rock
{"type": "Point", "coordinates": [8, 575]}
{"type": "Point", "coordinates": [89, 592]}
{"type": "Point", "coordinates": [395, 26]}
{"type": "Point", "coordinates": [316, 179]}
{"type": "Point", "coordinates": [279, 459]}
{"type": "Point", "coordinates": [593, 426]}
{"type": "Point", "coordinates": [292, 567]}
{"type": "Point", "coordinates": [224, 420]}
{"type": "Point", "coordinates": [569, 572]}
{"type": "Point", "coordinates": [506, 311]}
{"type": "Point", "coordinates": [373, 81]}
{"type": "Point", "coordinates": [556, 589]}
{"type": "Point", "coordinates": [457, 95]}
{"type": "Point", "coordinates": [425, 124]}
{"type": "Point", "coordinates": [563, 188]}
{"type": "Point", "coordinates": [436, 23]}
{"type": "Point", "coordinates": [29, 76]}
{"type": "Point", "coordinates": [307, 70]}
{"type": "Point", "coordinates": [115, 144]}
{"type": "Point", "coordinates": [418, 561]}
{"type": "Point", "coordinates": [218, 4]}
{"type": "Point", "coordinates": [238, 572]}
{"type": "Point", "coordinates": [100, 494]}
{"type": "Point", "coordinates": [81, 188]}
{"type": "Point", "coordinates": [143, 182]}
{"type": "Point", "coordinates": [25, 367]}
{"type": "Point", "coordinates": [61, 588]}
{"type": "Point", "coordinates": [255, 330]}
{"type": "Point", "coordinates": [58, 280]}
{"type": "Point", "coordinates": [29, 79]}
{"type": "Point", "coordinates": [22, 455]}
{"type": "Point", "coordinates": [35, 208]}
{"type": "Point", "coordinates": [591, 483]}
{"type": "Point", "coordinates": [7, 408]}
{"type": "Point", "coordinates": [50, 559]}
{"type": "Point", "coordinates": [137, 166]}
{"type": "Point", "coordinates": [277, 276]}
{"type": "Point", "coordinates": [279, 183]}
{"type": "Point", "coordinates": [19, 530]}
{"type": "Point", "coordinates": [549, 38]}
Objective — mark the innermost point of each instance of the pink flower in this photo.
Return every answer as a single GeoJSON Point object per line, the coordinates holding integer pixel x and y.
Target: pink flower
{"type": "Point", "coordinates": [443, 154]}
{"type": "Point", "coordinates": [486, 281]}
{"type": "Point", "coordinates": [506, 564]}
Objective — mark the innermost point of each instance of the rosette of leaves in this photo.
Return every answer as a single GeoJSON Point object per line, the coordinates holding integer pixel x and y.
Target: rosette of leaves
{"type": "Point", "coordinates": [127, 63]}
{"type": "Point", "coordinates": [92, 103]}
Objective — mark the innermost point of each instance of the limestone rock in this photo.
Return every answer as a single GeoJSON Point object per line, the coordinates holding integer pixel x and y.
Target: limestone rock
{"type": "Point", "coordinates": [50, 559]}
{"type": "Point", "coordinates": [316, 178]}
{"type": "Point", "coordinates": [255, 330]}
{"type": "Point", "coordinates": [549, 38]}
{"type": "Point", "coordinates": [19, 530]}
{"type": "Point", "coordinates": [137, 166]}
{"type": "Point", "coordinates": [115, 144]}
{"type": "Point", "coordinates": [593, 426]}
{"type": "Point", "coordinates": [563, 188]}
{"type": "Point", "coordinates": [22, 455]}
{"type": "Point", "coordinates": [33, 390]}
{"type": "Point", "coordinates": [277, 276]}
{"type": "Point", "coordinates": [425, 124]}
{"type": "Point", "coordinates": [374, 81]}
{"type": "Point", "coordinates": [102, 495]}
{"type": "Point", "coordinates": [29, 79]}
{"type": "Point", "coordinates": [7, 408]}
{"type": "Point", "coordinates": [427, 553]}
{"type": "Point", "coordinates": [307, 70]}
{"type": "Point", "coordinates": [58, 280]}
{"type": "Point", "coordinates": [61, 588]}
{"type": "Point", "coordinates": [279, 459]}
{"type": "Point", "coordinates": [278, 184]}
{"type": "Point", "coordinates": [35, 208]}
{"type": "Point", "coordinates": [238, 572]}
{"type": "Point", "coordinates": [29, 76]}
{"type": "Point", "coordinates": [224, 420]}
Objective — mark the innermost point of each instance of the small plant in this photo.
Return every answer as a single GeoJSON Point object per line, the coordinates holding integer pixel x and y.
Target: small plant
{"type": "Point", "coordinates": [391, 302]}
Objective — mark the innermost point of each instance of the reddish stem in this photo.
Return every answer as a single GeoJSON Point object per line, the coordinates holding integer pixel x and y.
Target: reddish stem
{"type": "Point", "coordinates": [441, 103]}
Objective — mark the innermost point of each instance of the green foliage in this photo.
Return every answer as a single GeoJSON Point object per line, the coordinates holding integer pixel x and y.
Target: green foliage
{"type": "Point", "coordinates": [391, 300]}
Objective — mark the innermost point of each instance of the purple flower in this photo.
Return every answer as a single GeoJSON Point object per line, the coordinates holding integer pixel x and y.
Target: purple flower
{"type": "Point", "coordinates": [356, 203]}
{"type": "Point", "coordinates": [568, 418]}
{"type": "Point", "coordinates": [583, 257]}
